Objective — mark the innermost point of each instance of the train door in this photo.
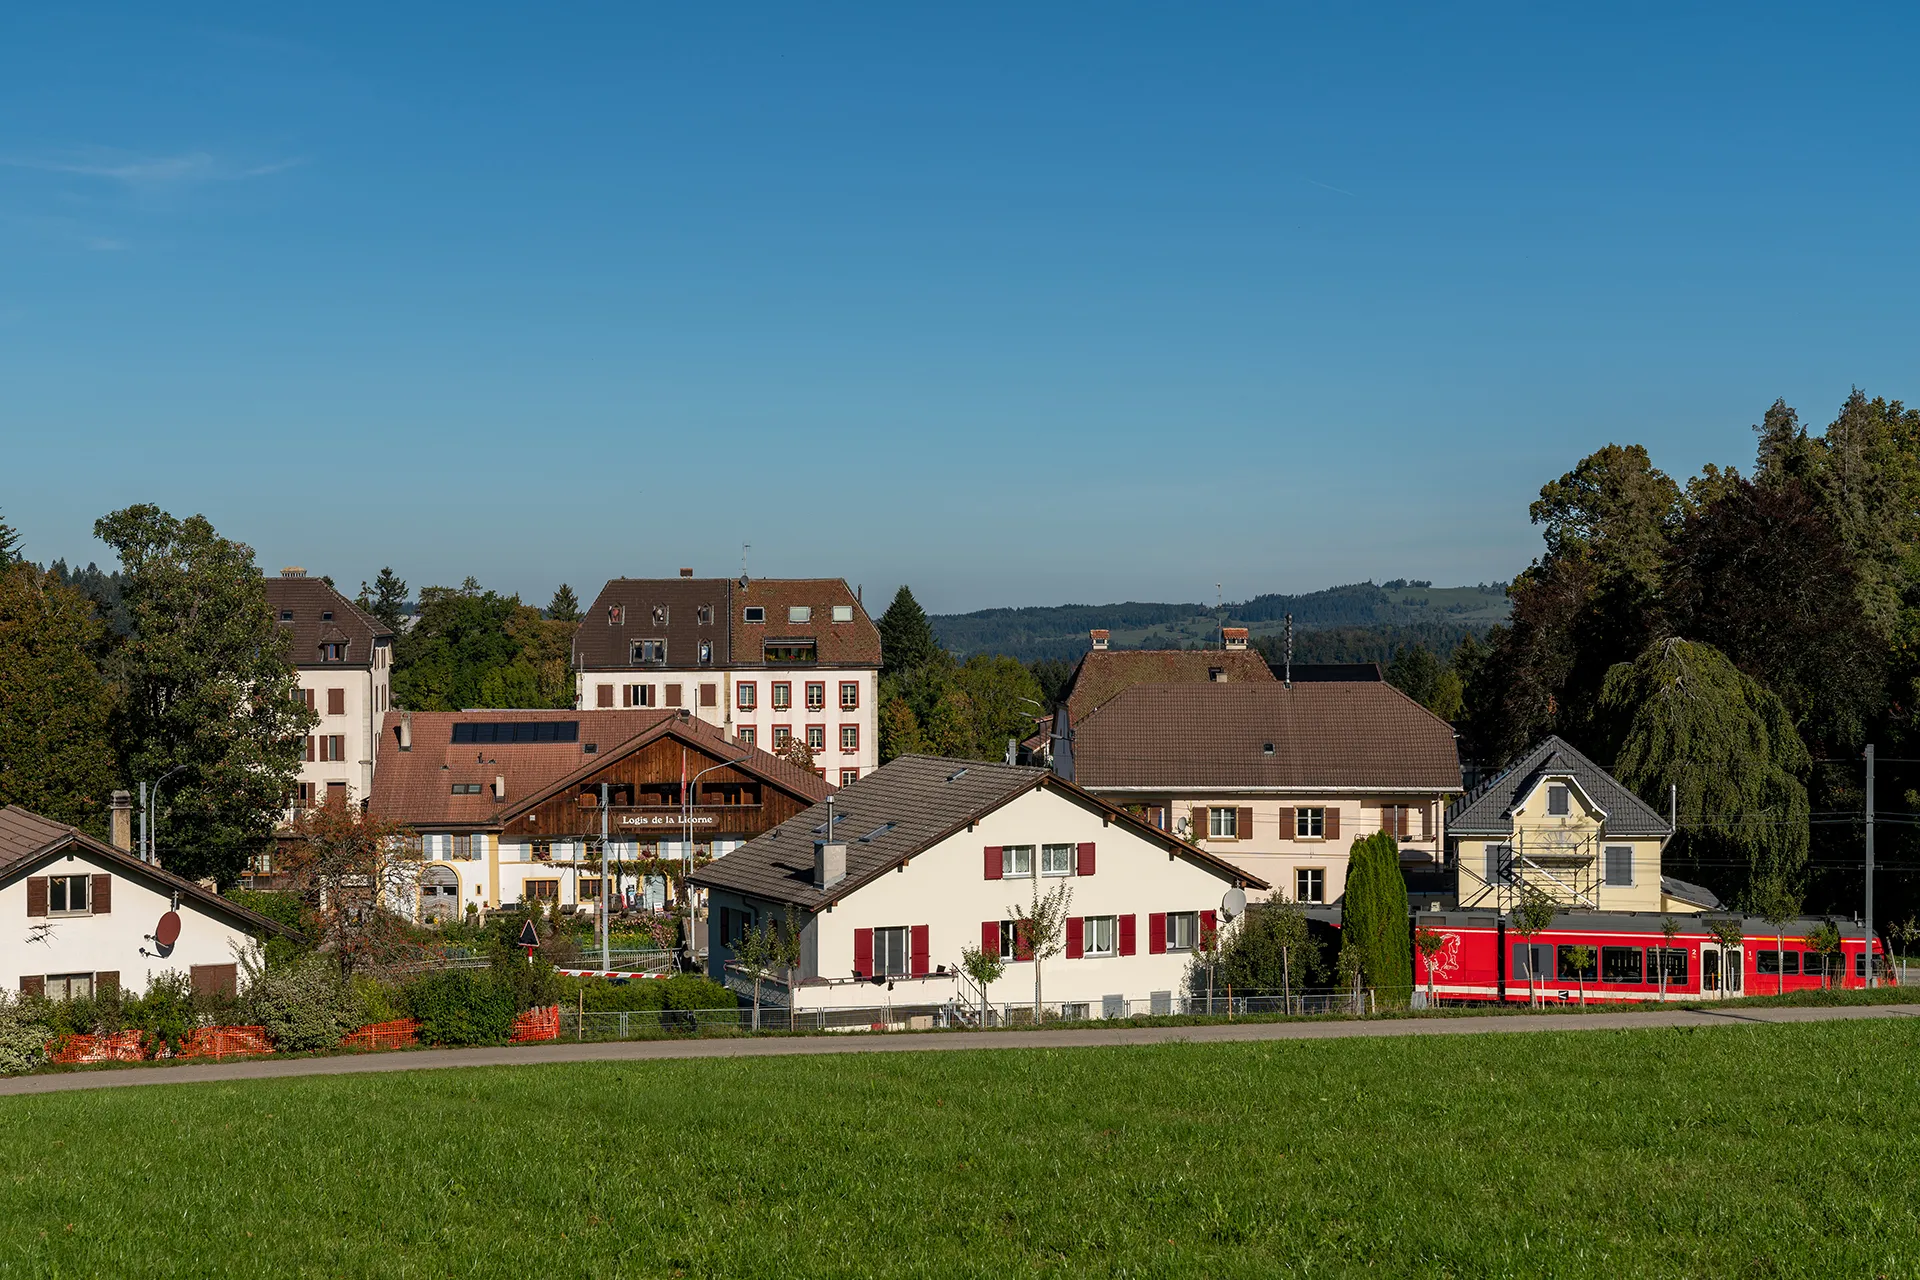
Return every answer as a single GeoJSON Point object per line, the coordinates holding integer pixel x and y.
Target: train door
{"type": "Point", "coordinates": [1721, 970]}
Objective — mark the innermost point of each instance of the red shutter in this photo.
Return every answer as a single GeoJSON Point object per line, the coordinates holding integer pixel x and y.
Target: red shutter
{"type": "Point", "coordinates": [1286, 824]}
{"type": "Point", "coordinates": [1022, 947]}
{"type": "Point", "coordinates": [1244, 828]}
{"type": "Point", "coordinates": [1333, 823]}
{"type": "Point", "coordinates": [993, 862]}
{"type": "Point", "coordinates": [1200, 823]}
{"type": "Point", "coordinates": [1076, 933]}
{"type": "Point", "coordinates": [1209, 924]}
{"type": "Point", "coordinates": [1126, 935]}
{"type": "Point", "coordinates": [862, 953]}
{"type": "Point", "coordinates": [36, 896]}
{"type": "Point", "coordinates": [102, 903]}
{"type": "Point", "coordinates": [990, 937]}
{"type": "Point", "coordinates": [33, 986]}
{"type": "Point", "coordinates": [1083, 865]}
{"type": "Point", "coordinates": [918, 950]}
{"type": "Point", "coordinates": [1157, 933]}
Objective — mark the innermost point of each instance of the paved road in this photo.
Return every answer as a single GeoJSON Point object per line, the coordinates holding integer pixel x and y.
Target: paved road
{"type": "Point", "coordinates": [927, 1042]}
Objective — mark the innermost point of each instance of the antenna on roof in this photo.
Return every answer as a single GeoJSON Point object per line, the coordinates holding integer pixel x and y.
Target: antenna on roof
{"type": "Point", "coordinates": [744, 548]}
{"type": "Point", "coordinates": [1286, 678]}
{"type": "Point", "coordinates": [1219, 615]}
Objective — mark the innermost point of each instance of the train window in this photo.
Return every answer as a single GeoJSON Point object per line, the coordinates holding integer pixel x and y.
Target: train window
{"type": "Point", "coordinates": [1811, 965]}
{"type": "Point", "coordinates": [1860, 965]}
{"type": "Point", "coordinates": [1676, 961]}
{"type": "Point", "coordinates": [1571, 972]}
{"type": "Point", "coordinates": [1541, 965]}
{"type": "Point", "coordinates": [1620, 964]}
{"type": "Point", "coordinates": [1771, 962]}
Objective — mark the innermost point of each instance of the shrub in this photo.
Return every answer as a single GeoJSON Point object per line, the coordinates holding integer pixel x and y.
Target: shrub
{"type": "Point", "coordinates": [23, 1034]}
{"type": "Point", "coordinates": [166, 1013]}
{"type": "Point", "coordinates": [305, 1006]}
{"type": "Point", "coordinates": [531, 984]}
{"type": "Point", "coordinates": [374, 1001]}
{"type": "Point", "coordinates": [691, 991]}
{"type": "Point", "coordinates": [461, 1007]}
{"type": "Point", "coordinates": [600, 995]}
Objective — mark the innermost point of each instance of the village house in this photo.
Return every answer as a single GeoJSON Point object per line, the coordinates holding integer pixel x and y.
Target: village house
{"type": "Point", "coordinates": [1277, 779]}
{"type": "Point", "coordinates": [889, 880]}
{"type": "Point", "coordinates": [344, 657]}
{"type": "Point", "coordinates": [767, 661]}
{"type": "Point", "coordinates": [91, 917]}
{"type": "Point", "coordinates": [507, 807]}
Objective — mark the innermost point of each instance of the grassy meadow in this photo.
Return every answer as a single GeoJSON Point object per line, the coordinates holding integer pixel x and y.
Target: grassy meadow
{"type": "Point", "coordinates": [1738, 1151]}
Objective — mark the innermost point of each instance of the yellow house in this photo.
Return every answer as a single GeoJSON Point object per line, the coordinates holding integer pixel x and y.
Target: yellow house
{"type": "Point", "coordinates": [1558, 824]}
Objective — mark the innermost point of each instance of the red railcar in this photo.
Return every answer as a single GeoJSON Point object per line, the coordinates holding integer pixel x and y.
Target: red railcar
{"type": "Point", "coordinates": [1482, 960]}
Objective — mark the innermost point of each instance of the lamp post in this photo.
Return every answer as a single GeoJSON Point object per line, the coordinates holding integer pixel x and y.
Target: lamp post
{"type": "Point", "coordinates": [150, 816]}
{"type": "Point", "coordinates": [686, 814]}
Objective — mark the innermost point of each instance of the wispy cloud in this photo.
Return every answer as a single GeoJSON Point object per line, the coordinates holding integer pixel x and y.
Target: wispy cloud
{"type": "Point", "coordinates": [149, 172]}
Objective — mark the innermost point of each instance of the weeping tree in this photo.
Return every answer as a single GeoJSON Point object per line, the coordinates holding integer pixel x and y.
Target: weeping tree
{"type": "Point", "coordinates": [1373, 918]}
{"type": "Point", "coordinates": [1684, 716]}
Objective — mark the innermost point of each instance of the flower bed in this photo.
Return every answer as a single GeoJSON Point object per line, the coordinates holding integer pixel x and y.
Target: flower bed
{"type": "Point", "coordinates": [400, 1033]}
{"type": "Point", "coordinates": [536, 1024]}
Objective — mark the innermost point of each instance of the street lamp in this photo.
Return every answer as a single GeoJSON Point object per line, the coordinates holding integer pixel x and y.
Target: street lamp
{"type": "Point", "coordinates": [150, 816]}
{"type": "Point", "coordinates": [686, 814]}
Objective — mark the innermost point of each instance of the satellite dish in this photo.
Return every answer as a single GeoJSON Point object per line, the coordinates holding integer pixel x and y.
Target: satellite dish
{"type": "Point", "coordinates": [1233, 902]}
{"type": "Point", "coordinates": [167, 932]}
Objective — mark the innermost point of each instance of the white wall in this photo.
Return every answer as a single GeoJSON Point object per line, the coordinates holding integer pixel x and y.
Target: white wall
{"type": "Point", "coordinates": [110, 942]}
{"type": "Point", "coordinates": [368, 692]}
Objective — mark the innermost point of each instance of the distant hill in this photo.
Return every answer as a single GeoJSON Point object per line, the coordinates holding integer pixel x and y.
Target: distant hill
{"type": "Point", "coordinates": [1358, 621]}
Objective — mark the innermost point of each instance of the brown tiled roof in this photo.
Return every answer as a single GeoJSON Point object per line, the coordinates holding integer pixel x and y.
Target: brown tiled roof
{"type": "Point", "coordinates": [26, 838]}
{"type": "Point", "coordinates": [1348, 736]}
{"type": "Point", "coordinates": [416, 786]}
{"type": "Point", "coordinates": [907, 805]}
{"type": "Point", "coordinates": [840, 644]}
{"type": "Point", "coordinates": [602, 646]}
{"type": "Point", "coordinates": [1105, 672]}
{"type": "Point", "coordinates": [307, 599]}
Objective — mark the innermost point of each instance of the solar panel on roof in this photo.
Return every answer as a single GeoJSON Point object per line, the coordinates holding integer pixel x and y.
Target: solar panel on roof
{"type": "Point", "coordinates": [515, 731]}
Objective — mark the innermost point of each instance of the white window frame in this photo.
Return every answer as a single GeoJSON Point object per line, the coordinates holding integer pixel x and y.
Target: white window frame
{"type": "Point", "coordinates": [843, 613]}
{"type": "Point", "coordinates": [1300, 877]}
{"type": "Point", "coordinates": [1057, 859]}
{"type": "Point", "coordinates": [1007, 949]}
{"type": "Point", "coordinates": [799, 613]}
{"type": "Point", "coordinates": [65, 883]}
{"type": "Point", "coordinates": [67, 983]}
{"type": "Point", "coordinates": [1223, 828]}
{"type": "Point", "coordinates": [1016, 860]}
{"type": "Point", "coordinates": [1183, 922]}
{"type": "Point", "coordinates": [1100, 936]}
{"type": "Point", "coordinates": [884, 940]}
{"type": "Point", "coordinates": [754, 613]}
{"type": "Point", "coordinates": [1310, 822]}
{"type": "Point", "coordinates": [820, 685]}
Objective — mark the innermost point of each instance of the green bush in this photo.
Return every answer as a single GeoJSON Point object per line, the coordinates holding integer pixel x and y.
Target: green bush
{"type": "Point", "coordinates": [691, 991]}
{"type": "Point", "coordinates": [532, 983]}
{"type": "Point", "coordinates": [601, 995]}
{"type": "Point", "coordinates": [166, 1013]}
{"type": "Point", "coordinates": [375, 1001]}
{"type": "Point", "coordinates": [23, 1034]}
{"type": "Point", "coordinates": [461, 1007]}
{"type": "Point", "coordinates": [304, 1007]}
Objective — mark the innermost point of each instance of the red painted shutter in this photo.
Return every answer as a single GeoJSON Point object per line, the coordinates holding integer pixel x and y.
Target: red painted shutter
{"type": "Point", "coordinates": [1244, 828]}
{"type": "Point", "coordinates": [918, 950]}
{"type": "Point", "coordinates": [990, 937]}
{"type": "Point", "coordinates": [102, 903]}
{"type": "Point", "coordinates": [1286, 824]}
{"type": "Point", "coordinates": [1333, 822]}
{"type": "Point", "coordinates": [1200, 823]}
{"type": "Point", "coordinates": [35, 985]}
{"type": "Point", "coordinates": [862, 953]}
{"type": "Point", "coordinates": [1076, 933]}
{"type": "Point", "coordinates": [36, 896]}
{"type": "Point", "coordinates": [1126, 935]}
{"type": "Point", "coordinates": [993, 862]}
{"type": "Point", "coordinates": [1022, 946]}
{"type": "Point", "coordinates": [1084, 864]}
{"type": "Point", "coordinates": [1157, 933]}
{"type": "Point", "coordinates": [1209, 923]}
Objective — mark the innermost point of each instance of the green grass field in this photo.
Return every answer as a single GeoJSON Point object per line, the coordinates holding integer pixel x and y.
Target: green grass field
{"type": "Point", "coordinates": [1743, 1151]}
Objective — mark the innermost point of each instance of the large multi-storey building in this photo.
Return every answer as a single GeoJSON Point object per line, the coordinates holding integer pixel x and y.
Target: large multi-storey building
{"type": "Point", "coordinates": [345, 659]}
{"type": "Point", "coordinates": [767, 661]}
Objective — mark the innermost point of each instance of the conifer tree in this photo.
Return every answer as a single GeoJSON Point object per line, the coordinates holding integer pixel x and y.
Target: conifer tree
{"type": "Point", "coordinates": [386, 599]}
{"type": "Point", "coordinates": [1373, 918]}
{"type": "Point", "coordinates": [55, 756]}
{"type": "Point", "coordinates": [565, 606]}
{"type": "Point", "coordinates": [9, 544]}
{"type": "Point", "coordinates": [906, 637]}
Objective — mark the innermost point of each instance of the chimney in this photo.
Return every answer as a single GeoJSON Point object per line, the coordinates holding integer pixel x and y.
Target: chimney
{"type": "Point", "coordinates": [829, 863]}
{"type": "Point", "coordinates": [499, 786]}
{"type": "Point", "coordinates": [405, 731]}
{"type": "Point", "coordinates": [293, 571]}
{"type": "Point", "coordinates": [686, 573]}
{"type": "Point", "coordinates": [1234, 637]}
{"type": "Point", "coordinates": [1099, 638]}
{"type": "Point", "coordinates": [120, 820]}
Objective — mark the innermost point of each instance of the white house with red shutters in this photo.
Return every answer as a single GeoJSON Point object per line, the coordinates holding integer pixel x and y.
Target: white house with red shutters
{"type": "Point", "coordinates": [892, 876]}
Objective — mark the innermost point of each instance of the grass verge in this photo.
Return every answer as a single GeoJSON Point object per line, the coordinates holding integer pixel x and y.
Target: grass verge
{"type": "Point", "coordinates": [1745, 1150]}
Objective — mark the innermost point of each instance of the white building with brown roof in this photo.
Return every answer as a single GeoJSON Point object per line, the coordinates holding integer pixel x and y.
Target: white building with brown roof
{"type": "Point", "coordinates": [766, 661]}
{"type": "Point", "coordinates": [344, 656]}
{"type": "Point", "coordinates": [1279, 779]}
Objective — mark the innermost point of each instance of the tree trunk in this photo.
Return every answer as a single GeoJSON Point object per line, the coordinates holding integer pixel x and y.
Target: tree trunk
{"type": "Point", "coordinates": [1286, 981]}
{"type": "Point", "coordinates": [756, 1000]}
{"type": "Point", "coordinates": [1036, 988]}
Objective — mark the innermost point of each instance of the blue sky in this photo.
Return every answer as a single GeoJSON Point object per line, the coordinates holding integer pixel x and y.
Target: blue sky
{"type": "Point", "coordinates": [1018, 305]}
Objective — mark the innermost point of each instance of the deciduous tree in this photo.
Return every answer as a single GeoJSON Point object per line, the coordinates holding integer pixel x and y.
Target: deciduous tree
{"type": "Point", "coordinates": [360, 875]}
{"type": "Point", "coordinates": [1041, 928]}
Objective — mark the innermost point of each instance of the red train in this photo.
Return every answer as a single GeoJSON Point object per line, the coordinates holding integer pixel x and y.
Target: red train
{"type": "Point", "coordinates": [1482, 960]}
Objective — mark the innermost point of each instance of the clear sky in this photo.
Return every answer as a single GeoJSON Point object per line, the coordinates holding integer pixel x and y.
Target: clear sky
{"type": "Point", "coordinates": [1019, 305]}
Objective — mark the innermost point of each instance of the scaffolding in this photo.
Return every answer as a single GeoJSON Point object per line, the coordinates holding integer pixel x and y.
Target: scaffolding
{"type": "Point", "coordinates": [1560, 864]}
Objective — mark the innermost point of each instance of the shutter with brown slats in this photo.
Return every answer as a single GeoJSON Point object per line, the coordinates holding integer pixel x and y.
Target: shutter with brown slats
{"type": "Point", "coordinates": [309, 748]}
{"type": "Point", "coordinates": [33, 985]}
{"type": "Point", "coordinates": [1243, 829]}
{"type": "Point", "coordinates": [36, 896]}
{"type": "Point", "coordinates": [215, 979]}
{"type": "Point", "coordinates": [336, 702]}
{"type": "Point", "coordinates": [1286, 824]}
{"type": "Point", "coordinates": [106, 981]}
{"type": "Point", "coordinates": [605, 695]}
{"type": "Point", "coordinates": [1199, 823]}
{"type": "Point", "coordinates": [709, 695]}
{"type": "Point", "coordinates": [102, 895]}
{"type": "Point", "coordinates": [673, 695]}
{"type": "Point", "coordinates": [1333, 823]}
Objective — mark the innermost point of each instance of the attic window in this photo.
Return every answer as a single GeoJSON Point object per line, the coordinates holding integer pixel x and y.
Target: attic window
{"type": "Point", "coordinates": [1556, 802]}
{"type": "Point", "coordinates": [843, 613]}
{"type": "Point", "coordinates": [466, 788]}
{"type": "Point", "coordinates": [286, 615]}
{"type": "Point", "coordinates": [326, 615]}
{"type": "Point", "coordinates": [1266, 748]}
{"type": "Point", "coordinates": [616, 615]}
{"type": "Point", "coordinates": [799, 613]}
{"type": "Point", "coordinates": [703, 615]}
{"type": "Point", "coordinates": [1216, 674]}
{"type": "Point", "coordinates": [659, 615]}
{"type": "Point", "coordinates": [754, 613]}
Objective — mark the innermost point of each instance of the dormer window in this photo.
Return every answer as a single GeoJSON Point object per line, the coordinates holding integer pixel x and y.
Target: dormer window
{"type": "Point", "coordinates": [616, 615]}
{"type": "Point", "coordinates": [1557, 804]}
{"type": "Point", "coordinates": [703, 615]}
{"type": "Point", "coordinates": [706, 652]}
{"type": "Point", "coordinates": [754, 613]}
{"type": "Point", "coordinates": [333, 653]}
{"type": "Point", "coordinates": [649, 653]}
{"type": "Point", "coordinates": [659, 615]}
{"type": "Point", "coordinates": [326, 615]}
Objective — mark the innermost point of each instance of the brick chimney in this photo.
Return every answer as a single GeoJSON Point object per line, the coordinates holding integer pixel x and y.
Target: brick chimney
{"type": "Point", "coordinates": [1233, 637]}
{"type": "Point", "coordinates": [1099, 638]}
{"type": "Point", "coordinates": [120, 820]}
{"type": "Point", "coordinates": [293, 571]}
{"type": "Point", "coordinates": [686, 573]}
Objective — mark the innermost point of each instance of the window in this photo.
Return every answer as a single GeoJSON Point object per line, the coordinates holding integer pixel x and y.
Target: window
{"type": "Point", "coordinates": [753, 613]}
{"type": "Point", "coordinates": [747, 695]}
{"type": "Point", "coordinates": [463, 849]}
{"type": "Point", "coordinates": [709, 695]}
{"type": "Point", "coordinates": [706, 653]}
{"type": "Point", "coordinates": [1309, 884]}
{"type": "Point", "coordinates": [541, 890]}
{"type": "Point", "coordinates": [306, 695]}
{"type": "Point", "coordinates": [466, 788]}
{"type": "Point", "coordinates": [1784, 963]}
{"type": "Point", "coordinates": [589, 889]}
{"type": "Point", "coordinates": [616, 615]}
{"type": "Point", "coordinates": [1812, 964]}
{"type": "Point", "coordinates": [1570, 972]}
{"type": "Point", "coordinates": [1097, 936]}
{"type": "Point", "coordinates": [333, 746]}
{"type": "Point", "coordinates": [659, 615]}
{"type": "Point", "coordinates": [333, 653]}
{"type": "Point", "coordinates": [1619, 864]}
{"type": "Point", "coordinates": [799, 613]}
{"type": "Point", "coordinates": [542, 850]}
{"type": "Point", "coordinates": [1009, 948]}
{"type": "Point", "coordinates": [843, 613]}
{"type": "Point", "coordinates": [336, 793]}
{"type": "Point", "coordinates": [816, 737]}
{"type": "Point", "coordinates": [782, 695]}
{"type": "Point", "coordinates": [1676, 962]}
{"type": "Point", "coordinates": [68, 986]}
{"type": "Point", "coordinates": [326, 615]}
{"type": "Point", "coordinates": [747, 735]}
{"type": "Point", "coordinates": [336, 702]}
{"type": "Point", "coordinates": [1223, 823]}
{"type": "Point", "coordinates": [1620, 964]}
{"type": "Point", "coordinates": [791, 652]}
{"type": "Point", "coordinates": [1016, 860]}
{"type": "Point", "coordinates": [303, 796]}
{"type": "Point", "coordinates": [286, 615]}
{"type": "Point", "coordinates": [816, 696]}
{"type": "Point", "coordinates": [1309, 824]}
{"type": "Point", "coordinates": [652, 653]}
{"type": "Point", "coordinates": [890, 951]}
{"type": "Point", "coordinates": [67, 895]}
{"type": "Point", "coordinates": [639, 695]}
{"type": "Point", "coordinates": [703, 615]}
{"type": "Point", "coordinates": [1183, 930]}
{"type": "Point", "coordinates": [1057, 859]}
{"type": "Point", "coordinates": [782, 735]}
{"type": "Point", "coordinates": [1557, 806]}
{"type": "Point", "coordinates": [1531, 960]}
{"type": "Point", "coordinates": [849, 776]}
{"type": "Point", "coordinates": [673, 694]}
{"type": "Point", "coordinates": [849, 739]}
{"type": "Point", "coordinates": [849, 695]}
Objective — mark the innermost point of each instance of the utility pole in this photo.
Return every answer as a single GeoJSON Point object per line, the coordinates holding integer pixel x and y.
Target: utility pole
{"type": "Point", "coordinates": [1869, 948]}
{"type": "Point", "coordinates": [606, 869]}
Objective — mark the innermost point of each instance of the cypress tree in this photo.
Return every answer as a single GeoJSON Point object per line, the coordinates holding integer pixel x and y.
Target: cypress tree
{"type": "Point", "coordinates": [1373, 918]}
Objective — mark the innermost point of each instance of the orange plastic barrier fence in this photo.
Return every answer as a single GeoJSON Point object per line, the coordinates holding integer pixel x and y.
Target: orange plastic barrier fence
{"type": "Point", "coordinates": [400, 1033]}
{"type": "Point", "coordinates": [226, 1042]}
{"type": "Point", "coordinates": [536, 1024]}
{"type": "Point", "coordinates": [121, 1046]}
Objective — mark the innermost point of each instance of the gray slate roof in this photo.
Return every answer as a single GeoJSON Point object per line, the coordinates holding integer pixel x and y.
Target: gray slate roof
{"type": "Point", "coordinates": [1686, 891]}
{"type": "Point", "coordinates": [1487, 812]}
{"type": "Point", "coordinates": [904, 807]}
